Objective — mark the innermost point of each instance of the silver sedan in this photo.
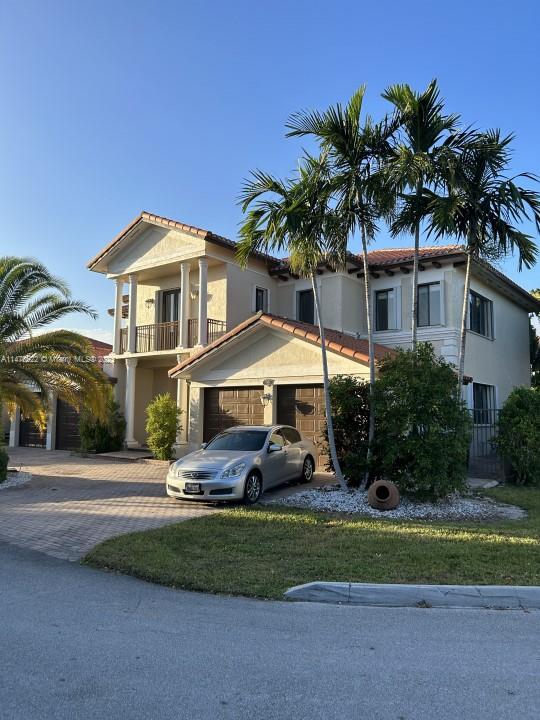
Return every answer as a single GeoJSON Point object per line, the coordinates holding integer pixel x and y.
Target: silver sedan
{"type": "Point", "coordinates": [240, 463]}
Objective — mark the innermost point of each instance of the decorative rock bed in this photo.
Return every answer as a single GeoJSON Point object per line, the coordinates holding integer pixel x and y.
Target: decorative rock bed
{"type": "Point", "coordinates": [15, 478]}
{"type": "Point", "coordinates": [333, 499]}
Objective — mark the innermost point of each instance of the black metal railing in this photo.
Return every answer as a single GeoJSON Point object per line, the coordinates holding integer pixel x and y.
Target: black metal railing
{"type": "Point", "coordinates": [214, 330]}
{"type": "Point", "coordinates": [484, 459]}
{"type": "Point", "coordinates": [165, 336]}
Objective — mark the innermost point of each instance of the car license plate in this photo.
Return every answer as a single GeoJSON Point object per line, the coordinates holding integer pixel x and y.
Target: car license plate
{"type": "Point", "coordinates": [191, 487]}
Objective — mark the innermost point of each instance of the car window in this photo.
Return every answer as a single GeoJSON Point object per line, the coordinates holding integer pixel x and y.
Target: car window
{"type": "Point", "coordinates": [292, 435]}
{"type": "Point", "coordinates": [276, 438]}
{"type": "Point", "coordinates": [243, 440]}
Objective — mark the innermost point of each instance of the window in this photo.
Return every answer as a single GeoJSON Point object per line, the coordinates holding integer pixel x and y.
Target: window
{"type": "Point", "coordinates": [291, 435]}
{"type": "Point", "coordinates": [261, 299]}
{"type": "Point", "coordinates": [480, 315]}
{"type": "Point", "coordinates": [385, 310]}
{"type": "Point", "coordinates": [305, 307]}
{"type": "Point", "coordinates": [483, 404]}
{"type": "Point", "coordinates": [239, 440]}
{"type": "Point", "coordinates": [170, 302]}
{"type": "Point", "coordinates": [429, 304]}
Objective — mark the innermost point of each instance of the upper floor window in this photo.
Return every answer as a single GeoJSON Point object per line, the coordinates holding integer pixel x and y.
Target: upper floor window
{"type": "Point", "coordinates": [385, 309]}
{"type": "Point", "coordinates": [170, 302]}
{"type": "Point", "coordinates": [480, 315]}
{"type": "Point", "coordinates": [483, 404]}
{"type": "Point", "coordinates": [261, 299]}
{"type": "Point", "coordinates": [429, 304]}
{"type": "Point", "coordinates": [305, 307]}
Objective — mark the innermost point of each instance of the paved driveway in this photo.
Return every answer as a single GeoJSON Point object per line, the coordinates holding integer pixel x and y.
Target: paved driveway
{"type": "Point", "coordinates": [73, 503]}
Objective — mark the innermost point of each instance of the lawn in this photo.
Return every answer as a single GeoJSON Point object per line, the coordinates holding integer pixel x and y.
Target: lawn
{"type": "Point", "coordinates": [262, 551]}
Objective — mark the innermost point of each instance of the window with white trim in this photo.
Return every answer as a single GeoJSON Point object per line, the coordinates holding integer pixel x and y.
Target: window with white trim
{"type": "Point", "coordinates": [385, 309]}
{"type": "Point", "coordinates": [480, 315]}
{"type": "Point", "coordinates": [483, 404]}
{"type": "Point", "coordinates": [429, 304]}
{"type": "Point", "coordinates": [305, 306]}
{"type": "Point", "coordinates": [261, 299]}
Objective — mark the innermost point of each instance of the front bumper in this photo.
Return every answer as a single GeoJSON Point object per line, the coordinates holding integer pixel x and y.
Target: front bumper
{"type": "Point", "coordinates": [210, 490]}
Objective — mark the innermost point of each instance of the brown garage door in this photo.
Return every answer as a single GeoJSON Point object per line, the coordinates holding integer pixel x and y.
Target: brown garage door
{"type": "Point", "coordinates": [67, 427]}
{"type": "Point", "coordinates": [226, 407]}
{"type": "Point", "coordinates": [302, 406]}
{"type": "Point", "coordinates": [30, 435]}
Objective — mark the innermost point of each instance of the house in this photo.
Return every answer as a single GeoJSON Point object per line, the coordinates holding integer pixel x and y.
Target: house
{"type": "Point", "coordinates": [242, 346]}
{"type": "Point", "coordinates": [62, 431]}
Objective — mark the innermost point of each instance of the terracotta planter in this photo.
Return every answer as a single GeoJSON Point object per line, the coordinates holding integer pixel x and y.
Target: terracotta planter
{"type": "Point", "coordinates": [383, 495]}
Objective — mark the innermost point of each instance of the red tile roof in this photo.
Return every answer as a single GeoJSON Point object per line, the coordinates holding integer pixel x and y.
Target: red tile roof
{"type": "Point", "coordinates": [339, 342]}
{"type": "Point", "coordinates": [389, 256]}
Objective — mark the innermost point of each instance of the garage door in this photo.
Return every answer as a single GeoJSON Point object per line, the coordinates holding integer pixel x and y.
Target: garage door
{"type": "Point", "coordinates": [67, 427]}
{"type": "Point", "coordinates": [30, 435]}
{"type": "Point", "coordinates": [302, 406]}
{"type": "Point", "coordinates": [227, 407]}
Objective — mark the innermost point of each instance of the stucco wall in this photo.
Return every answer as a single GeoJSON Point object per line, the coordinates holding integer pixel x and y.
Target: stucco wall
{"type": "Point", "coordinates": [149, 383]}
{"type": "Point", "coordinates": [240, 291]}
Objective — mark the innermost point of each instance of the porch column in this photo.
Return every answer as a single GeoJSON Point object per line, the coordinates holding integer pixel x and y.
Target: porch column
{"type": "Point", "coordinates": [132, 313]}
{"type": "Point", "coordinates": [14, 428]}
{"type": "Point", "coordinates": [131, 369]}
{"type": "Point", "coordinates": [203, 304]}
{"type": "Point", "coordinates": [182, 403]}
{"type": "Point", "coordinates": [50, 441]}
{"type": "Point", "coordinates": [184, 304]}
{"type": "Point", "coordinates": [117, 315]}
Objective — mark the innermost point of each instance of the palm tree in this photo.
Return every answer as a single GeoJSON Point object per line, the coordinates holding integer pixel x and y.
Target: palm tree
{"type": "Point", "coordinates": [296, 216]}
{"type": "Point", "coordinates": [357, 153]}
{"type": "Point", "coordinates": [425, 133]}
{"type": "Point", "coordinates": [481, 207]}
{"type": "Point", "coordinates": [34, 364]}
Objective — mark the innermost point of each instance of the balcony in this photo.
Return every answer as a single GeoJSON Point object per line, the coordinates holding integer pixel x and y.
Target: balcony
{"type": "Point", "coordinates": [165, 336]}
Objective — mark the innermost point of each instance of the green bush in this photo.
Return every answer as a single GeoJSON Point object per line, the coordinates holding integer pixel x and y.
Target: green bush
{"type": "Point", "coordinates": [4, 459]}
{"type": "Point", "coordinates": [162, 426]}
{"type": "Point", "coordinates": [106, 436]}
{"type": "Point", "coordinates": [519, 435]}
{"type": "Point", "coordinates": [422, 430]}
{"type": "Point", "coordinates": [349, 398]}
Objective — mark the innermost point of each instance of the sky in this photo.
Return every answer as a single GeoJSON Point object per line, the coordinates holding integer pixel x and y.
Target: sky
{"type": "Point", "coordinates": [110, 107]}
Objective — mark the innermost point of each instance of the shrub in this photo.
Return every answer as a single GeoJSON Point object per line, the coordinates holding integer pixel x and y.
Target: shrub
{"type": "Point", "coordinates": [4, 459]}
{"type": "Point", "coordinates": [422, 431]}
{"type": "Point", "coordinates": [102, 436]}
{"type": "Point", "coordinates": [162, 426]}
{"type": "Point", "coordinates": [519, 435]}
{"type": "Point", "coordinates": [349, 398]}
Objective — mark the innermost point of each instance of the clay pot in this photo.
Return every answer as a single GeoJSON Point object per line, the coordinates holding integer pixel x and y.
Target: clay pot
{"type": "Point", "coordinates": [383, 495]}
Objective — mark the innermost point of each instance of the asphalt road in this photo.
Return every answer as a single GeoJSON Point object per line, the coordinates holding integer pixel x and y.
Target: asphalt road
{"type": "Point", "coordinates": [77, 643]}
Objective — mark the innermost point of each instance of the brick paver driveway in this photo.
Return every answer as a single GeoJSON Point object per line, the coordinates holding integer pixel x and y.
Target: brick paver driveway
{"type": "Point", "coordinates": [73, 503]}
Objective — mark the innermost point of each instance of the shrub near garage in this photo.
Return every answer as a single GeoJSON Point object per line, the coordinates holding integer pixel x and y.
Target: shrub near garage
{"type": "Point", "coordinates": [162, 426]}
{"type": "Point", "coordinates": [422, 426]}
{"type": "Point", "coordinates": [519, 435]}
{"type": "Point", "coordinates": [105, 435]}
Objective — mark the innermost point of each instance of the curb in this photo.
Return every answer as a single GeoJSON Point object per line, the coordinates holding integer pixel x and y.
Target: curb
{"type": "Point", "coordinates": [499, 597]}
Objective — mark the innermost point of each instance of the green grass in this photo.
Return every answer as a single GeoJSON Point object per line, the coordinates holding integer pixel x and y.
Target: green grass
{"type": "Point", "coordinates": [260, 552]}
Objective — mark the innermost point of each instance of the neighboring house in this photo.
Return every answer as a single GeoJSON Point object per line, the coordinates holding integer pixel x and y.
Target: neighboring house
{"type": "Point", "coordinates": [242, 346]}
{"type": "Point", "coordinates": [62, 431]}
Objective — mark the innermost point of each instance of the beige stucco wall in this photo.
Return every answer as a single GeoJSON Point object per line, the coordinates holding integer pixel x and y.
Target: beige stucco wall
{"type": "Point", "coordinates": [240, 291]}
{"type": "Point", "coordinates": [149, 383]}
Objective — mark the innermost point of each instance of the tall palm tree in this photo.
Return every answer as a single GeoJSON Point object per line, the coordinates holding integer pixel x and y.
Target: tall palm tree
{"type": "Point", "coordinates": [296, 216]}
{"type": "Point", "coordinates": [425, 133]}
{"type": "Point", "coordinates": [357, 152]}
{"type": "Point", "coordinates": [481, 207]}
{"type": "Point", "coordinates": [34, 364]}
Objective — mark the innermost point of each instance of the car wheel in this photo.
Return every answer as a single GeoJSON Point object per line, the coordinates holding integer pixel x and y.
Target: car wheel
{"type": "Point", "coordinates": [253, 488]}
{"type": "Point", "coordinates": [308, 468]}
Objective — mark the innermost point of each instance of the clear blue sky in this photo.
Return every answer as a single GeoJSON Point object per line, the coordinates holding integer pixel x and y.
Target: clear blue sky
{"type": "Point", "coordinates": [109, 107]}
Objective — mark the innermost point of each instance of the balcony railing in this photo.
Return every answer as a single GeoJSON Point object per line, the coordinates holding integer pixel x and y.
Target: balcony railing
{"type": "Point", "coordinates": [165, 336]}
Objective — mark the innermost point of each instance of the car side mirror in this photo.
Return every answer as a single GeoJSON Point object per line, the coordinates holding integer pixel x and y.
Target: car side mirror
{"type": "Point", "coordinates": [274, 447]}
{"type": "Point", "coordinates": [203, 446]}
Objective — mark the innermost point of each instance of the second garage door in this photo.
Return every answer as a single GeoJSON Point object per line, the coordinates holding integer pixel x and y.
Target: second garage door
{"type": "Point", "coordinates": [67, 427]}
{"type": "Point", "coordinates": [227, 407]}
{"type": "Point", "coordinates": [302, 406]}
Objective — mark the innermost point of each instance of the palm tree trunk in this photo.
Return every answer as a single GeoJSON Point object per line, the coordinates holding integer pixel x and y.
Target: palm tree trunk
{"type": "Point", "coordinates": [463, 332]}
{"type": "Point", "coordinates": [329, 423]}
{"type": "Point", "coordinates": [371, 352]}
{"type": "Point", "coordinates": [414, 319]}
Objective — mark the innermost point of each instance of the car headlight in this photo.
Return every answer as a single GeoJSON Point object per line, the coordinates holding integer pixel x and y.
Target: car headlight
{"type": "Point", "coordinates": [234, 471]}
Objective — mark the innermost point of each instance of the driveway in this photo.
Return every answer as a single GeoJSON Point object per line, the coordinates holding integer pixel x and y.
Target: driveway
{"type": "Point", "coordinates": [72, 503]}
{"type": "Point", "coordinates": [80, 643]}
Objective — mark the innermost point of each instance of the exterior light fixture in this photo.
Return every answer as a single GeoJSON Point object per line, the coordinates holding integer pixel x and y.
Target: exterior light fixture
{"type": "Point", "coordinates": [149, 303]}
{"type": "Point", "coordinates": [266, 399]}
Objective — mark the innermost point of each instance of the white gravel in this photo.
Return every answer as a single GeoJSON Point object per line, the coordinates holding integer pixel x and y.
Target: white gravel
{"type": "Point", "coordinates": [15, 479]}
{"type": "Point", "coordinates": [333, 499]}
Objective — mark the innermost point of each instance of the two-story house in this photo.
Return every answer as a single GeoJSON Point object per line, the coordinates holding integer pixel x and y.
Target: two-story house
{"type": "Point", "coordinates": [242, 346]}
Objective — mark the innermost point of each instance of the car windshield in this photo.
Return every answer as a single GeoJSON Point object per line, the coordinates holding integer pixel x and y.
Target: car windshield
{"type": "Point", "coordinates": [244, 440]}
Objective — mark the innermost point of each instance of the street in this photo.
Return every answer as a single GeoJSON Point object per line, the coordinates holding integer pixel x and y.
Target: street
{"type": "Point", "coordinates": [79, 643]}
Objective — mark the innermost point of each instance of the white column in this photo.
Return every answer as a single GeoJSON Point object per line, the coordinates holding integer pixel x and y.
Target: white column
{"type": "Point", "coordinates": [203, 304]}
{"type": "Point", "coordinates": [182, 403]}
{"type": "Point", "coordinates": [132, 313]}
{"type": "Point", "coordinates": [117, 314]}
{"type": "Point", "coordinates": [184, 304]}
{"type": "Point", "coordinates": [14, 428]}
{"type": "Point", "coordinates": [50, 440]}
{"type": "Point", "coordinates": [131, 369]}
